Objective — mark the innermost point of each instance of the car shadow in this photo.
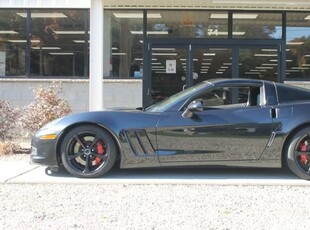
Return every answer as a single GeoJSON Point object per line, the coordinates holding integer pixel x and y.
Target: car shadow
{"type": "Point", "coordinates": [200, 173]}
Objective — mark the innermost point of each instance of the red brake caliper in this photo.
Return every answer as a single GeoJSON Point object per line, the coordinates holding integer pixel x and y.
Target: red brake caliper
{"type": "Point", "coordinates": [100, 150]}
{"type": "Point", "coordinates": [304, 159]}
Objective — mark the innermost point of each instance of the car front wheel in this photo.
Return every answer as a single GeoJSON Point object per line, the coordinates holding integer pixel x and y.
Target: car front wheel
{"type": "Point", "coordinates": [298, 153]}
{"type": "Point", "coordinates": [88, 151]}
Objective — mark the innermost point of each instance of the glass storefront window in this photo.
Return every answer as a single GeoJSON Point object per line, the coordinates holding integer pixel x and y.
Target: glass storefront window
{"type": "Point", "coordinates": [298, 45]}
{"type": "Point", "coordinates": [12, 43]}
{"type": "Point", "coordinates": [187, 24]}
{"type": "Point", "coordinates": [257, 25]}
{"type": "Point", "coordinates": [168, 71]}
{"type": "Point", "coordinates": [57, 47]}
{"type": "Point", "coordinates": [60, 47]}
{"type": "Point", "coordinates": [258, 63]}
{"type": "Point", "coordinates": [123, 44]}
{"type": "Point", "coordinates": [208, 63]}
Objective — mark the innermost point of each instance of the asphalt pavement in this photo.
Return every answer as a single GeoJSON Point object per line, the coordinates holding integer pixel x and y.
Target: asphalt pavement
{"type": "Point", "coordinates": [21, 171]}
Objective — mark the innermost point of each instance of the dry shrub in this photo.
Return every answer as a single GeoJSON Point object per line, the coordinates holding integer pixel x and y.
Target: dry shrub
{"type": "Point", "coordinates": [46, 107]}
{"type": "Point", "coordinates": [7, 148]}
{"type": "Point", "coordinates": [8, 119]}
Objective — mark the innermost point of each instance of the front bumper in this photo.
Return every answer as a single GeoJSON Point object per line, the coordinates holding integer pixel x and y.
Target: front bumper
{"type": "Point", "coordinates": [43, 152]}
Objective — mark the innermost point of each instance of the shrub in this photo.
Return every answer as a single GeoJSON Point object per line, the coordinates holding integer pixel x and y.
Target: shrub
{"type": "Point", "coordinates": [7, 148]}
{"type": "Point", "coordinates": [46, 107]}
{"type": "Point", "coordinates": [8, 119]}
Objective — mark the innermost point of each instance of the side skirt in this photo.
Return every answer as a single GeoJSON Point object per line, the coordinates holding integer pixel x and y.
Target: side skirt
{"type": "Point", "coordinates": [148, 163]}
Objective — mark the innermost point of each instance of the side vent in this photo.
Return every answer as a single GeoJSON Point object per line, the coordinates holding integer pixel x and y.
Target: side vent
{"type": "Point", "coordinates": [140, 142]}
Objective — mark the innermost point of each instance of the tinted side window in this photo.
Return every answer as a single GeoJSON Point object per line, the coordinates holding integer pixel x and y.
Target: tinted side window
{"type": "Point", "coordinates": [289, 93]}
{"type": "Point", "coordinates": [243, 96]}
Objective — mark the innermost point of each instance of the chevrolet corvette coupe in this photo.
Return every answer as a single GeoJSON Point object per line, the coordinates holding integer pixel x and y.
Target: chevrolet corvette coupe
{"type": "Point", "coordinates": [221, 122]}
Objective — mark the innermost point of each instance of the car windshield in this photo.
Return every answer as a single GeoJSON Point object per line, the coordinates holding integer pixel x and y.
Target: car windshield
{"type": "Point", "coordinates": [170, 101]}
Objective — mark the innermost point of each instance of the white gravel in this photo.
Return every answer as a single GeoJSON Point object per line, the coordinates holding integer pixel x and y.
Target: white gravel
{"type": "Point", "coordinates": [15, 157]}
{"type": "Point", "coordinates": [118, 206]}
{"type": "Point", "coordinates": [68, 206]}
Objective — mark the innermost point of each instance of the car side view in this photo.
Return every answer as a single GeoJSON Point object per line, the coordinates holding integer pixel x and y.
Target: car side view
{"type": "Point", "coordinates": [221, 122]}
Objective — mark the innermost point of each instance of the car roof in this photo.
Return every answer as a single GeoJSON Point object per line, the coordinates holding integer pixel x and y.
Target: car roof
{"type": "Point", "coordinates": [219, 81]}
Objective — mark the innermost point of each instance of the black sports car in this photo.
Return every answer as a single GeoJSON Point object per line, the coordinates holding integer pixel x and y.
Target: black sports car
{"type": "Point", "coordinates": [222, 122]}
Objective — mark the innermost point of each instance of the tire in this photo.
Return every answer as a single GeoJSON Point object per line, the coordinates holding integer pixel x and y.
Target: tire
{"type": "Point", "coordinates": [88, 151]}
{"type": "Point", "coordinates": [298, 153]}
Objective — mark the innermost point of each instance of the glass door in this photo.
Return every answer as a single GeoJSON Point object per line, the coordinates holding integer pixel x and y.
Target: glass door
{"type": "Point", "coordinates": [254, 62]}
{"type": "Point", "coordinates": [168, 67]}
{"type": "Point", "coordinates": [209, 63]}
{"type": "Point", "coordinates": [173, 68]}
{"type": "Point", "coordinates": [259, 63]}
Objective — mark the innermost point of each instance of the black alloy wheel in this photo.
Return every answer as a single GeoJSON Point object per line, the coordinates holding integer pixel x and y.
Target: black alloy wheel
{"type": "Point", "coordinates": [88, 151]}
{"type": "Point", "coordinates": [298, 153]}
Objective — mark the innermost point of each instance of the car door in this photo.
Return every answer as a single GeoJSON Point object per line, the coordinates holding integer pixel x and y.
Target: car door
{"type": "Point", "coordinates": [238, 130]}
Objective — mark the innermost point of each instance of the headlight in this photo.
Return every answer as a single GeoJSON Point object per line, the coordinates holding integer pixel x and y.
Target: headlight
{"type": "Point", "coordinates": [48, 137]}
{"type": "Point", "coordinates": [34, 151]}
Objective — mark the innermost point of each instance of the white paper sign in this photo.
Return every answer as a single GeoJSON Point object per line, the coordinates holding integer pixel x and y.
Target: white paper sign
{"type": "Point", "coordinates": [171, 66]}
{"type": "Point", "coordinates": [2, 63]}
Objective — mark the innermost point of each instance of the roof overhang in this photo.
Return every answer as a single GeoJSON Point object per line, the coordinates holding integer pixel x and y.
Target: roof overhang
{"type": "Point", "coordinates": [281, 5]}
{"type": "Point", "coordinates": [300, 5]}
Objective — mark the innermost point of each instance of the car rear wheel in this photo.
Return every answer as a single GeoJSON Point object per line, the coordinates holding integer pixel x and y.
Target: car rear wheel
{"type": "Point", "coordinates": [88, 151]}
{"type": "Point", "coordinates": [298, 153]}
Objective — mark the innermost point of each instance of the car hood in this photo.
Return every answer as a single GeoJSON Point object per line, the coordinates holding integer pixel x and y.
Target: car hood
{"type": "Point", "coordinates": [115, 119]}
{"type": "Point", "coordinates": [123, 109]}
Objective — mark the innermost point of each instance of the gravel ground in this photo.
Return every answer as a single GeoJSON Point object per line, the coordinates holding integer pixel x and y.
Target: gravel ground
{"type": "Point", "coordinates": [17, 157]}
{"type": "Point", "coordinates": [117, 206]}
{"type": "Point", "coordinates": [68, 206]}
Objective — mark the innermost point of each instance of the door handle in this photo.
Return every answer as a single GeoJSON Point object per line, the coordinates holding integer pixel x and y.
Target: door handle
{"type": "Point", "coordinates": [273, 113]}
{"type": "Point", "coordinates": [184, 87]}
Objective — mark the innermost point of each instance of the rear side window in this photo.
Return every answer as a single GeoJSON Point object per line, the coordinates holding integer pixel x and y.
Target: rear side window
{"type": "Point", "coordinates": [290, 93]}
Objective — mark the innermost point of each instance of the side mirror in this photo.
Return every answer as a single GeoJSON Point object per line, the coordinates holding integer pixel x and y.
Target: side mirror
{"type": "Point", "coordinates": [194, 106]}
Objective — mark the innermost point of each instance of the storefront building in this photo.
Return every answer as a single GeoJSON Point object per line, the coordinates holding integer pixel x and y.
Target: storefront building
{"type": "Point", "coordinates": [144, 51]}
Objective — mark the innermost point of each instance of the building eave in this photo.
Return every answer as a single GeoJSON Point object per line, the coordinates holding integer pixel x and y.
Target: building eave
{"type": "Point", "coordinates": [275, 5]}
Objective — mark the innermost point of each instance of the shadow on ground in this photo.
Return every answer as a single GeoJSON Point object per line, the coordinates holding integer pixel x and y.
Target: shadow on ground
{"type": "Point", "coordinates": [191, 173]}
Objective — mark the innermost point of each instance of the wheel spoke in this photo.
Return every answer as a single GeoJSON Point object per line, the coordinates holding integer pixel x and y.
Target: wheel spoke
{"type": "Point", "coordinates": [87, 161]}
{"type": "Point", "coordinates": [77, 138]}
{"type": "Point", "coordinates": [102, 157]}
{"type": "Point", "coordinates": [75, 155]}
{"type": "Point", "coordinates": [303, 159]}
{"type": "Point", "coordinates": [298, 153]}
{"type": "Point", "coordinates": [94, 142]}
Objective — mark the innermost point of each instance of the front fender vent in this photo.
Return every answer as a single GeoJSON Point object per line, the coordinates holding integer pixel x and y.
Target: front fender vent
{"type": "Point", "coordinates": [139, 142]}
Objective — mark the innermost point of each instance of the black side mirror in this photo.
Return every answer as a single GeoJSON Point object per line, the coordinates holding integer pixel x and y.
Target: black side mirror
{"type": "Point", "coordinates": [192, 108]}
